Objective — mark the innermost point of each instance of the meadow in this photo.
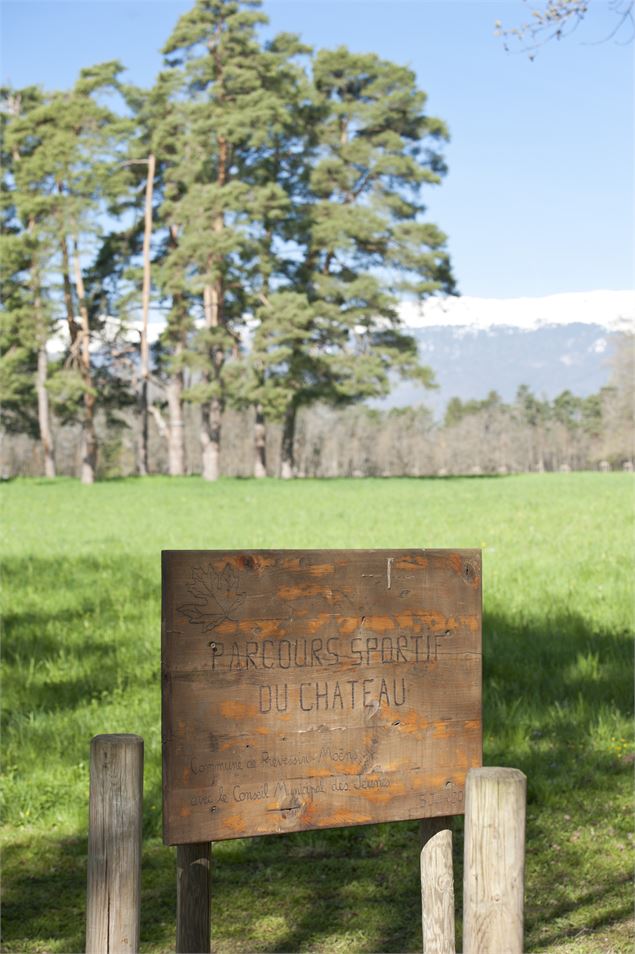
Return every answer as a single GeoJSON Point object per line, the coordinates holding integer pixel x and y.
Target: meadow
{"type": "Point", "coordinates": [81, 613]}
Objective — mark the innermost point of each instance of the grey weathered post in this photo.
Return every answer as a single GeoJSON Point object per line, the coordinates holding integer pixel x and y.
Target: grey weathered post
{"type": "Point", "coordinates": [437, 886]}
{"type": "Point", "coordinates": [114, 844]}
{"type": "Point", "coordinates": [193, 898]}
{"type": "Point", "coordinates": [494, 877]}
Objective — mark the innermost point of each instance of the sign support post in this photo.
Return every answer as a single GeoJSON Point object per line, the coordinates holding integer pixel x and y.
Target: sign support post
{"type": "Point", "coordinates": [306, 689]}
{"type": "Point", "coordinates": [193, 923]}
{"type": "Point", "coordinates": [437, 886]}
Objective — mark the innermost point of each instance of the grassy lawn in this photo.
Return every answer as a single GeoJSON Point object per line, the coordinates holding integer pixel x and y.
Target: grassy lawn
{"type": "Point", "coordinates": [81, 592]}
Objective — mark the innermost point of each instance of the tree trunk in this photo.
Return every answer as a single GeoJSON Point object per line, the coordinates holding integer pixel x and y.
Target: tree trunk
{"type": "Point", "coordinates": [213, 306]}
{"type": "Point", "coordinates": [541, 454]}
{"type": "Point", "coordinates": [211, 415]}
{"type": "Point", "coordinates": [260, 443]}
{"type": "Point", "coordinates": [43, 412]}
{"type": "Point", "coordinates": [142, 447]}
{"type": "Point", "coordinates": [88, 441]}
{"type": "Point", "coordinates": [288, 435]}
{"type": "Point", "coordinates": [142, 462]}
{"type": "Point", "coordinates": [176, 432]}
{"type": "Point", "coordinates": [176, 425]}
{"type": "Point", "coordinates": [68, 288]}
{"type": "Point", "coordinates": [73, 327]}
{"type": "Point", "coordinates": [212, 411]}
{"type": "Point", "coordinates": [44, 419]}
{"type": "Point", "coordinates": [89, 436]}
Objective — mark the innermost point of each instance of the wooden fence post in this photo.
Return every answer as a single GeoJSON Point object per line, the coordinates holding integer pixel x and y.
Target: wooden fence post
{"type": "Point", "coordinates": [113, 900]}
{"type": "Point", "coordinates": [193, 925]}
{"type": "Point", "coordinates": [437, 886]}
{"type": "Point", "coordinates": [494, 876]}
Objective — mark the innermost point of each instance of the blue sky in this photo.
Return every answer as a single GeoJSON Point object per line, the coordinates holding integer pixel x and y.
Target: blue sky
{"type": "Point", "coordinates": [539, 197]}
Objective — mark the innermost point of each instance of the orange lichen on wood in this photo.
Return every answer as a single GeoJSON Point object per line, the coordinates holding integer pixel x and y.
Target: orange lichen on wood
{"type": "Point", "coordinates": [320, 569]}
{"type": "Point", "coordinates": [232, 709]}
{"type": "Point", "coordinates": [256, 562]}
{"type": "Point", "coordinates": [315, 689]}
{"type": "Point", "coordinates": [235, 824]}
{"type": "Point", "coordinates": [261, 628]}
{"type": "Point", "coordinates": [408, 720]}
{"type": "Point", "coordinates": [317, 623]}
{"type": "Point", "coordinates": [347, 625]}
{"type": "Point", "coordinates": [298, 592]}
{"type": "Point", "coordinates": [379, 624]}
{"type": "Point", "coordinates": [344, 817]}
{"type": "Point", "coordinates": [411, 563]}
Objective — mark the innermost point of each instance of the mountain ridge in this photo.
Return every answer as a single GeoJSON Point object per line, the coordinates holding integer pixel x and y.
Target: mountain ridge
{"type": "Point", "coordinates": [613, 310]}
{"type": "Point", "coordinates": [469, 363]}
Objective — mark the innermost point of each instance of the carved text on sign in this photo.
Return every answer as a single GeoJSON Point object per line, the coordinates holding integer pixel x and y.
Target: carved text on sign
{"type": "Point", "coordinates": [306, 689]}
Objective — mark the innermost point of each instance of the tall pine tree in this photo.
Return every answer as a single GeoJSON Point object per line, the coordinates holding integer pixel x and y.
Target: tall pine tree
{"type": "Point", "coordinates": [162, 119]}
{"type": "Point", "coordinates": [332, 332]}
{"type": "Point", "coordinates": [234, 102]}
{"type": "Point", "coordinates": [279, 182]}
{"type": "Point", "coordinates": [25, 320]}
{"type": "Point", "coordinates": [67, 173]}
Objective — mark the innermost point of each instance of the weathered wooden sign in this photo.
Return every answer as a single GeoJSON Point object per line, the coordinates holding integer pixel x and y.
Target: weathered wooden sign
{"type": "Point", "coordinates": [317, 688]}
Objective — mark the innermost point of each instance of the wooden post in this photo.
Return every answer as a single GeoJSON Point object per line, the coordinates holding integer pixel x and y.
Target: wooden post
{"type": "Point", "coordinates": [193, 898]}
{"type": "Point", "coordinates": [493, 886]}
{"type": "Point", "coordinates": [437, 886]}
{"type": "Point", "coordinates": [114, 844]}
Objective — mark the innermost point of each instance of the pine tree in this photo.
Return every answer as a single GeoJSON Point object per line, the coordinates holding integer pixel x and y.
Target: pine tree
{"type": "Point", "coordinates": [332, 333]}
{"type": "Point", "coordinates": [67, 174]}
{"type": "Point", "coordinates": [26, 322]}
{"type": "Point", "coordinates": [147, 108]}
{"type": "Point", "coordinates": [18, 350]}
{"type": "Point", "coordinates": [279, 179]}
{"type": "Point", "coordinates": [116, 256]}
{"type": "Point", "coordinates": [535, 413]}
{"type": "Point", "coordinates": [222, 196]}
{"type": "Point", "coordinates": [162, 118]}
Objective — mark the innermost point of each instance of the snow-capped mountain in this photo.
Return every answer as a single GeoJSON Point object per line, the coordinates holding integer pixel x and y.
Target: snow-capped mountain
{"type": "Point", "coordinates": [476, 345]}
{"type": "Point", "coordinates": [612, 310]}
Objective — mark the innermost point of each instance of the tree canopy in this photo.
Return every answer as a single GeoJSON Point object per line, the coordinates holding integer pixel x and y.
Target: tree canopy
{"type": "Point", "coordinates": [289, 222]}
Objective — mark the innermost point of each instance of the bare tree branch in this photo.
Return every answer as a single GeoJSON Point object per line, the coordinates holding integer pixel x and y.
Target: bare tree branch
{"type": "Point", "coordinates": [557, 19]}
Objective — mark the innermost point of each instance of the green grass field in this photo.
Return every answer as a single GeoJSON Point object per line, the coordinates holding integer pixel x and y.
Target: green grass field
{"type": "Point", "coordinates": [81, 592]}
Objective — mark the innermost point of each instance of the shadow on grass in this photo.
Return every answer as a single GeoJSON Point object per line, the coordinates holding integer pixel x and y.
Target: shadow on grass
{"type": "Point", "coordinates": [546, 683]}
{"type": "Point", "coordinates": [58, 658]}
{"type": "Point", "coordinates": [44, 894]}
{"type": "Point", "coordinates": [614, 905]}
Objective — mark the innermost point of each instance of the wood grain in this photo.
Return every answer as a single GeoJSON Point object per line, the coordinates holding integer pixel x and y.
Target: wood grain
{"type": "Point", "coordinates": [437, 887]}
{"type": "Point", "coordinates": [315, 689]}
{"type": "Point", "coordinates": [494, 861]}
{"type": "Point", "coordinates": [114, 844]}
{"type": "Point", "coordinates": [193, 927]}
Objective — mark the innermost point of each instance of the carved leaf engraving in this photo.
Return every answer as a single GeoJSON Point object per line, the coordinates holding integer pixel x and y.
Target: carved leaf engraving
{"type": "Point", "coordinates": [217, 597]}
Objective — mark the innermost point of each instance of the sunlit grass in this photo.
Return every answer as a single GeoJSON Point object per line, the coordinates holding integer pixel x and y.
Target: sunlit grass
{"type": "Point", "coordinates": [81, 588]}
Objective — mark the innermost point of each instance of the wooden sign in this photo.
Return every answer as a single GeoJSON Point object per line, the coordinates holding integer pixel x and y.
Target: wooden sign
{"type": "Point", "coordinates": [317, 688]}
